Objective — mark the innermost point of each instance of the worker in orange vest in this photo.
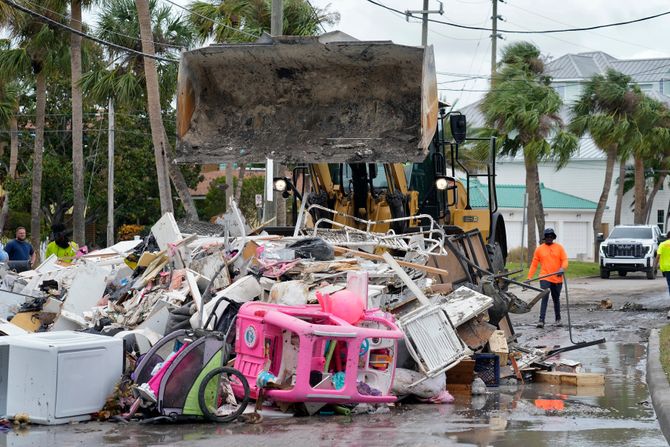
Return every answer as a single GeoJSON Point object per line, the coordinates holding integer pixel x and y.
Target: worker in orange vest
{"type": "Point", "coordinates": [552, 258]}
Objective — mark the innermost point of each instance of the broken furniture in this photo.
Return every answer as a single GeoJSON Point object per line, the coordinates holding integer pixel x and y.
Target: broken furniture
{"type": "Point", "coordinates": [430, 337]}
{"type": "Point", "coordinates": [315, 356]}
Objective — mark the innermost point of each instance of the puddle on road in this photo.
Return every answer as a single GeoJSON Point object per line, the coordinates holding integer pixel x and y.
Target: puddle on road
{"type": "Point", "coordinates": [616, 414]}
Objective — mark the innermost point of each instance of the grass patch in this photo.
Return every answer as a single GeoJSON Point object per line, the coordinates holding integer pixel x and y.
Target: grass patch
{"type": "Point", "coordinates": [664, 340]}
{"type": "Point", "coordinates": [576, 269]}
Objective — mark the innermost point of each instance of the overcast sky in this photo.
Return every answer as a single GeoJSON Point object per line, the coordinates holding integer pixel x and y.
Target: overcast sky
{"type": "Point", "coordinates": [469, 51]}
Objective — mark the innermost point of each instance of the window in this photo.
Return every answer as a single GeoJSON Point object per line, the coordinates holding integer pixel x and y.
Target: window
{"type": "Point", "coordinates": [646, 88]}
{"type": "Point", "coordinates": [665, 86]}
{"type": "Point", "coordinates": [660, 219]}
{"type": "Point", "coordinates": [572, 92]}
{"type": "Point", "coordinates": [631, 233]}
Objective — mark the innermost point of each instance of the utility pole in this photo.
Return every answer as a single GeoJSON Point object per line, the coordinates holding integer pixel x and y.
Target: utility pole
{"type": "Point", "coordinates": [424, 25]}
{"type": "Point", "coordinates": [424, 13]}
{"type": "Point", "coordinates": [269, 205]}
{"type": "Point", "coordinates": [494, 37]}
{"type": "Point", "coordinates": [277, 18]}
{"type": "Point", "coordinates": [110, 175]}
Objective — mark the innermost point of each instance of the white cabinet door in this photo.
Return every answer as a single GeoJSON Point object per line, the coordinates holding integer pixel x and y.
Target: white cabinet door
{"type": "Point", "coordinates": [79, 390]}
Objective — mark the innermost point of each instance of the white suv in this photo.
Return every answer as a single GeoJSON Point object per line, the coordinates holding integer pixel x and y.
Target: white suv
{"type": "Point", "coordinates": [630, 248]}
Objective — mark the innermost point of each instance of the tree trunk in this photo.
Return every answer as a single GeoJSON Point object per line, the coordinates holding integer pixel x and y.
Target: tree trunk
{"type": "Point", "coordinates": [640, 193]}
{"type": "Point", "coordinates": [619, 192]}
{"type": "Point", "coordinates": [179, 181]}
{"type": "Point", "coordinates": [36, 195]}
{"type": "Point", "coordinates": [240, 182]}
{"type": "Point", "coordinates": [229, 184]}
{"type": "Point", "coordinates": [4, 212]}
{"type": "Point", "coordinates": [154, 106]}
{"type": "Point", "coordinates": [79, 201]}
{"type": "Point", "coordinates": [650, 200]}
{"type": "Point", "coordinates": [13, 159]}
{"type": "Point", "coordinates": [602, 202]}
{"type": "Point", "coordinates": [539, 207]}
{"type": "Point", "coordinates": [13, 146]}
{"type": "Point", "coordinates": [532, 207]}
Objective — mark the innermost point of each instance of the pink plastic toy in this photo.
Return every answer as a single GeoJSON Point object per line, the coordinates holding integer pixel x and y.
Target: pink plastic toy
{"type": "Point", "coordinates": [310, 351]}
{"type": "Point", "coordinates": [343, 304]}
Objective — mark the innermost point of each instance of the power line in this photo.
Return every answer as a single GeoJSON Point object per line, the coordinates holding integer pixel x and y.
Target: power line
{"type": "Point", "coordinates": [547, 31]}
{"type": "Point", "coordinates": [316, 16]}
{"type": "Point", "coordinates": [190, 11]}
{"type": "Point", "coordinates": [135, 38]}
{"type": "Point", "coordinates": [568, 24]}
{"type": "Point", "coordinates": [551, 36]}
{"type": "Point", "coordinates": [48, 20]}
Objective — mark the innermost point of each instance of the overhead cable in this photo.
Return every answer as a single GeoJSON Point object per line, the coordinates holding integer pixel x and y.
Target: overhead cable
{"type": "Point", "coordinates": [82, 34]}
{"type": "Point", "coordinates": [190, 11]}
{"type": "Point", "coordinates": [510, 31]}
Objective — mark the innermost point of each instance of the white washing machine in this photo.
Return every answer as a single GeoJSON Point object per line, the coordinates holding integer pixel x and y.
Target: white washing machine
{"type": "Point", "coordinates": [58, 377]}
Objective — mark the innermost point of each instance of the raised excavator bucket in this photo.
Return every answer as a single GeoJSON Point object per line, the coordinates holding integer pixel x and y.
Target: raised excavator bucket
{"type": "Point", "coordinates": [306, 99]}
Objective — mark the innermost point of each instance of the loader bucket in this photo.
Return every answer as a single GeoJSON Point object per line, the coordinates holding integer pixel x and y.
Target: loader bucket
{"type": "Point", "coordinates": [306, 99]}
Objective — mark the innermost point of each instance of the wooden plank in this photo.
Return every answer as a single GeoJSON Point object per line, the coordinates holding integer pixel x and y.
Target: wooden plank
{"type": "Point", "coordinates": [519, 376]}
{"type": "Point", "coordinates": [411, 285]}
{"type": "Point", "coordinates": [462, 373]}
{"type": "Point", "coordinates": [574, 379]}
{"type": "Point", "coordinates": [498, 346]}
{"type": "Point", "coordinates": [340, 251]}
{"type": "Point", "coordinates": [465, 304]}
{"type": "Point", "coordinates": [459, 388]}
{"type": "Point", "coordinates": [571, 390]}
{"type": "Point", "coordinates": [475, 333]}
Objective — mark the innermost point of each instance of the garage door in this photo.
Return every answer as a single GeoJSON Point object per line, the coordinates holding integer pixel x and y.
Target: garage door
{"type": "Point", "coordinates": [513, 234]}
{"type": "Point", "coordinates": [575, 239]}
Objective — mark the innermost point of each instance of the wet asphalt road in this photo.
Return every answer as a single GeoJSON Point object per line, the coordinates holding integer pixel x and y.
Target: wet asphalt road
{"type": "Point", "coordinates": [618, 414]}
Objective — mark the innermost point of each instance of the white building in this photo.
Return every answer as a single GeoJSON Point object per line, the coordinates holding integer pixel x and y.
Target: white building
{"type": "Point", "coordinates": [584, 174]}
{"type": "Point", "coordinates": [570, 216]}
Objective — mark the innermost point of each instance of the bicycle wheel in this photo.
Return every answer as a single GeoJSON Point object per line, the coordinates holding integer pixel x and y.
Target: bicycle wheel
{"type": "Point", "coordinates": [215, 394]}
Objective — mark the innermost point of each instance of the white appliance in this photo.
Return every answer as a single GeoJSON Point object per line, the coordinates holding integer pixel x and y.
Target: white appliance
{"type": "Point", "coordinates": [58, 377]}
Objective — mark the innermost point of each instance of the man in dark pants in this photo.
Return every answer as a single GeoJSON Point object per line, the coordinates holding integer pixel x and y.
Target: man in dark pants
{"type": "Point", "coordinates": [663, 260]}
{"type": "Point", "coordinates": [552, 258]}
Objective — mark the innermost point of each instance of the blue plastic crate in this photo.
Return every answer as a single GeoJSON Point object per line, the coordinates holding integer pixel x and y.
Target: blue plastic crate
{"type": "Point", "coordinates": [487, 367]}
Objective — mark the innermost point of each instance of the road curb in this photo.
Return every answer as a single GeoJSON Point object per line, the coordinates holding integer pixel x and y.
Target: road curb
{"type": "Point", "coordinates": [658, 385]}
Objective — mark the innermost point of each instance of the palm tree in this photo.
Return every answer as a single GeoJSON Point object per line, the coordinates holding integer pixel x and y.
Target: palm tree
{"type": "Point", "coordinates": [39, 50]}
{"type": "Point", "coordinates": [243, 20]}
{"type": "Point", "coordinates": [153, 104]}
{"type": "Point", "coordinates": [523, 108]}
{"type": "Point", "coordinates": [125, 79]}
{"type": "Point", "coordinates": [652, 142]}
{"type": "Point", "coordinates": [605, 110]}
{"type": "Point", "coordinates": [9, 107]}
{"type": "Point", "coordinates": [79, 201]}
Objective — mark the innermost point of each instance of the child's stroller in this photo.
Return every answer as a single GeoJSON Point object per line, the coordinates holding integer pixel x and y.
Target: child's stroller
{"type": "Point", "coordinates": [185, 374]}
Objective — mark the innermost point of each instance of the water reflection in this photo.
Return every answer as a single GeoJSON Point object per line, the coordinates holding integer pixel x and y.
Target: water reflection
{"type": "Point", "coordinates": [518, 416]}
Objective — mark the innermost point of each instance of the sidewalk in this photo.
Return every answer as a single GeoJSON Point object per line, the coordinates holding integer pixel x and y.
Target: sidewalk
{"type": "Point", "coordinates": [657, 381]}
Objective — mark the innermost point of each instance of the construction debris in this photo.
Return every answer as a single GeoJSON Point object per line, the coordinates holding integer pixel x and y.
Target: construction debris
{"type": "Point", "coordinates": [313, 321]}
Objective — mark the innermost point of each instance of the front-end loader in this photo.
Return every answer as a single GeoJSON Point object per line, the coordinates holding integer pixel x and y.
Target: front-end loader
{"type": "Point", "coordinates": [358, 121]}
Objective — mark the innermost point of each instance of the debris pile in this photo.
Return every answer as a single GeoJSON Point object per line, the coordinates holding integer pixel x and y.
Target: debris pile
{"type": "Point", "coordinates": [317, 322]}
